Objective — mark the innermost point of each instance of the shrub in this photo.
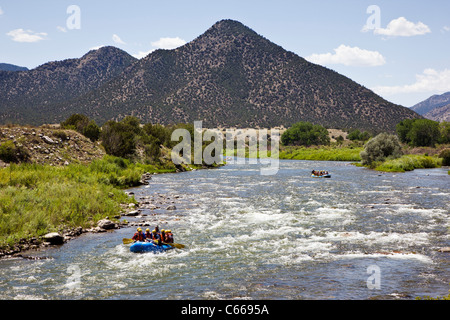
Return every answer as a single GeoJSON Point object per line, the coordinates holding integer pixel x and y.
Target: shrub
{"type": "Point", "coordinates": [358, 135]}
{"type": "Point", "coordinates": [117, 139]}
{"type": "Point", "coordinates": [379, 148]}
{"type": "Point", "coordinates": [409, 163]}
{"type": "Point", "coordinates": [9, 152]}
{"type": "Point", "coordinates": [445, 155]}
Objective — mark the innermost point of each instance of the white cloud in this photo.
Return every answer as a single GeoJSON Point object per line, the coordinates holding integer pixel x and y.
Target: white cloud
{"type": "Point", "coordinates": [349, 56]}
{"type": "Point", "coordinates": [162, 43]}
{"type": "Point", "coordinates": [430, 80]}
{"type": "Point", "coordinates": [21, 35]}
{"type": "Point", "coordinates": [142, 54]}
{"type": "Point", "coordinates": [117, 39]}
{"type": "Point", "coordinates": [168, 43]}
{"type": "Point", "coordinates": [62, 29]}
{"type": "Point", "coordinates": [97, 47]}
{"type": "Point", "coordinates": [403, 28]}
{"type": "Point", "coordinates": [1, 11]}
{"type": "Point", "coordinates": [445, 29]}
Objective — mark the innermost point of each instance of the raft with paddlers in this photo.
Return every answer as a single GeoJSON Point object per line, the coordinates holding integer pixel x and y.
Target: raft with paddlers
{"type": "Point", "coordinates": [320, 174]}
{"type": "Point", "coordinates": [152, 242]}
{"type": "Point", "coordinates": [139, 246]}
{"type": "Point", "coordinates": [163, 244]}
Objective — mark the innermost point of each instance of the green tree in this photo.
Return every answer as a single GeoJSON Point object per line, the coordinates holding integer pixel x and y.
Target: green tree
{"type": "Point", "coordinates": [403, 128]}
{"type": "Point", "coordinates": [83, 125]}
{"type": "Point", "coordinates": [444, 128]}
{"type": "Point", "coordinates": [305, 134]}
{"type": "Point", "coordinates": [354, 135]}
{"type": "Point", "coordinates": [117, 139]}
{"type": "Point", "coordinates": [152, 151]}
{"type": "Point", "coordinates": [132, 124]}
{"type": "Point", "coordinates": [358, 135]}
{"type": "Point", "coordinates": [76, 121]}
{"type": "Point", "coordinates": [158, 132]}
{"type": "Point", "coordinates": [381, 147]}
{"type": "Point", "coordinates": [92, 131]}
{"type": "Point", "coordinates": [424, 133]}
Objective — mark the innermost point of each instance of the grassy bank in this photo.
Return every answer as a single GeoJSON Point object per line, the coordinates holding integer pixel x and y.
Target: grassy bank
{"type": "Point", "coordinates": [37, 199]}
{"type": "Point", "coordinates": [409, 163]}
{"type": "Point", "coordinates": [322, 153]}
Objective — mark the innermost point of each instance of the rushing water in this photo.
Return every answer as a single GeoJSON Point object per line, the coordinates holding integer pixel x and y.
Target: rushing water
{"type": "Point", "coordinates": [359, 235]}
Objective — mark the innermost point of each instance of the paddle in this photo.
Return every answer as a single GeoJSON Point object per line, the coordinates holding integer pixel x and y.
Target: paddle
{"type": "Point", "coordinates": [127, 241]}
{"type": "Point", "coordinates": [176, 245]}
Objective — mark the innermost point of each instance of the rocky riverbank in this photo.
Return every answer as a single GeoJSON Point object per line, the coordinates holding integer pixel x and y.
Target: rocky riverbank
{"type": "Point", "coordinates": [133, 210]}
{"type": "Point", "coordinates": [33, 244]}
{"type": "Point", "coordinates": [47, 145]}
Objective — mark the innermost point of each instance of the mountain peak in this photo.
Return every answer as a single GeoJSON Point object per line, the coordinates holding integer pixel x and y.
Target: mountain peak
{"type": "Point", "coordinates": [229, 24]}
{"type": "Point", "coordinates": [106, 53]}
{"type": "Point", "coordinates": [228, 76]}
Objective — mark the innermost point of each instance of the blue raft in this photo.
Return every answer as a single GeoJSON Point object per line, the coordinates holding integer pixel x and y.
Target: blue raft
{"type": "Point", "coordinates": [138, 247]}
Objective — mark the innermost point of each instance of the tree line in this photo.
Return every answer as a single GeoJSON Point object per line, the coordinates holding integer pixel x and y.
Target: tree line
{"type": "Point", "coordinates": [123, 138]}
{"type": "Point", "coordinates": [409, 132]}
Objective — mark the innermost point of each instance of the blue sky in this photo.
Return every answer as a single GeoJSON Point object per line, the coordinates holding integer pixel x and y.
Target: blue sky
{"type": "Point", "coordinates": [399, 49]}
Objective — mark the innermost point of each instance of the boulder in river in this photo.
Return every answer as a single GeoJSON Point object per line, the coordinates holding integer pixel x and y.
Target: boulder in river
{"type": "Point", "coordinates": [106, 224]}
{"type": "Point", "coordinates": [131, 213]}
{"type": "Point", "coordinates": [54, 238]}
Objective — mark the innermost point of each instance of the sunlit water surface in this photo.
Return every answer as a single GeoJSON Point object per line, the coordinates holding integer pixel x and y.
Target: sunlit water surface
{"type": "Point", "coordinates": [250, 236]}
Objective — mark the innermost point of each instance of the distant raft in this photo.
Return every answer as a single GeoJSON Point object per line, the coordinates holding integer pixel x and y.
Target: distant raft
{"type": "Point", "coordinates": [139, 247]}
{"type": "Point", "coordinates": [321, 176]}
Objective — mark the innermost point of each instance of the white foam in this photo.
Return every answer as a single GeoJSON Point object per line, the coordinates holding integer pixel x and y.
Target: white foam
{"type": "Point", "coordinates": [389, 255]}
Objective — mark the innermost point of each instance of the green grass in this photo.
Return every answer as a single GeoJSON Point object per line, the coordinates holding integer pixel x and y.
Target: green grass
{"type": "Point", "coordinates": [321, 153]}
{"type": "Point", "coordinates": [409, 163]}
{"type": "Point", "coordinates": [37, 199]}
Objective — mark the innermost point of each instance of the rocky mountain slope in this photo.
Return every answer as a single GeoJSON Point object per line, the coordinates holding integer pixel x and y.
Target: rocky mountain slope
{"type": "Point", "coordinates": [228, 76]}
{"type": "Point", "coordinates": [435, 101]}
{"type": "Point", "coordinates": [34, 96]}
{"type": "Point", "coordinates": [439, 114]}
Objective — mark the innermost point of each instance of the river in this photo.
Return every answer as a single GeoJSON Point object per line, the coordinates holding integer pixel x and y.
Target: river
{"type": "Point", "coordinates": [360, 235]}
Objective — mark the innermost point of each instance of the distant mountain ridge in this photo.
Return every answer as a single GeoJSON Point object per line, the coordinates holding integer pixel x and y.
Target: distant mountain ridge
{"type": "Point", "coordinates": [11, 67]}
{"type": "Point", "coordinates": [432, 102]}
{"type": "Point", "coordinates": [228, 76]}
{"type": "Point", "coordinates": [34, 96]}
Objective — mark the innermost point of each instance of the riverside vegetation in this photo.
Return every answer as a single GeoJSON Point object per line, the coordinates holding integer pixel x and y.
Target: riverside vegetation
{"type": "Point", "coordinates": [39, 197]}
{"type": "Point", "coordinates": [419, 144]}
